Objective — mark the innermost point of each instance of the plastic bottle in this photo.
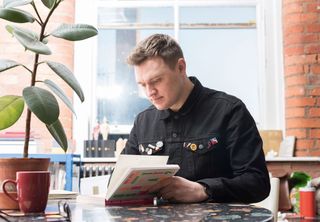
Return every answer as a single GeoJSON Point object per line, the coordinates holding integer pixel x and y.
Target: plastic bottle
{"type": "Point", "coordinates": [307, 201]}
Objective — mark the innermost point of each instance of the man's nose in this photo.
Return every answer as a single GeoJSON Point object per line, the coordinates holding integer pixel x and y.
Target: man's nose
{"type": "Point", "coordinates": [150, 90]}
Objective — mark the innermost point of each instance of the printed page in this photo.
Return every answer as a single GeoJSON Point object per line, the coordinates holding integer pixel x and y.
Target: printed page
{"type": "Point", "coordinates": [126, 161]}
{"type": "Point", "coordinates": [137, 180]}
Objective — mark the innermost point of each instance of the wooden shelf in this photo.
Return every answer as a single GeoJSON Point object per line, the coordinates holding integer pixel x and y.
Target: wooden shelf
{"type": "Point", "coordinates": [99, 160]}
{"type": "Point", "coordinates": [293, 159]}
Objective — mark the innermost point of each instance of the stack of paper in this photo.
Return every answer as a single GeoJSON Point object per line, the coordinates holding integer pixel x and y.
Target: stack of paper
{"type": "Point", "coordinates": [62, 194]}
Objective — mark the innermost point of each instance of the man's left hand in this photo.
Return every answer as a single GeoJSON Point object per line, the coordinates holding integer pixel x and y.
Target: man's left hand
{"type": "Point", "coordinates": [178, 189]}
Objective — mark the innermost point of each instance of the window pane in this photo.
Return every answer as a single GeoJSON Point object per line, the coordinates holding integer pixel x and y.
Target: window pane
{"type": "Point", "coordinates": [217, 14]}
{"type": "Point", "coordinates": [118, 96]}
{"type": "Point", "coordinates": [224, 59]}
{"type": "Point", "coordinates": [148, 15]}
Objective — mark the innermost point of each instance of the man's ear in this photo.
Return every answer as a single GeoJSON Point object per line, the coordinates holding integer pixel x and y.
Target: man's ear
{"type": "Point", "coordinates": [181, 65]}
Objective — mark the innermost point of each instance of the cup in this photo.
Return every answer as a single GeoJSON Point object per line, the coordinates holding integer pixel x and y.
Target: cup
{"type": "Point", "coordinates": [307, 202]}
{"type": "Point", "coordinates": [32, 190]}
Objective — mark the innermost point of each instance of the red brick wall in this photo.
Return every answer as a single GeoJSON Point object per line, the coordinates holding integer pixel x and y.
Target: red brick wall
{"type": "Point", "coordinates": [13, 81]}
{"type": "Point", "coordinates": [301, 32]}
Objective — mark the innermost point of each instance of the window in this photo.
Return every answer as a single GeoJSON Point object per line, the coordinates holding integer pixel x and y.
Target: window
{"type": "Point", "coordinates": [119, 31]}
{"type": "Point", "coordinates": [224, 43]}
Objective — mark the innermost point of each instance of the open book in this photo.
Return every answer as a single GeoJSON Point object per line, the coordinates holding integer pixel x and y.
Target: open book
{"type": "Point", "coordinates": [133, 175]}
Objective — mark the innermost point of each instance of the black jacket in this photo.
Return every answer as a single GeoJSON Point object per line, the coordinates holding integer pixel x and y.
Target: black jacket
{"type": "Point", "coordinates": [214, 140]}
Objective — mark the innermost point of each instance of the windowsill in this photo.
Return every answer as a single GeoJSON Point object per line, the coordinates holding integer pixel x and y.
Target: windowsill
{"type": "Point", "coordinates": [99, 160]}
{"type": "Point", "coordinates": [268, 159]}
{"type": "Point", "coordinates": [293, 159]}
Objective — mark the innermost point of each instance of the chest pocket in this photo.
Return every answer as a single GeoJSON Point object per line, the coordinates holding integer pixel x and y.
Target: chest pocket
{"type": "Point", "coordinates": [201, 156]}
{"type": "Point", "coordinates": [154, 147]}
{"type": "Point", "coordinates": [202, 145]}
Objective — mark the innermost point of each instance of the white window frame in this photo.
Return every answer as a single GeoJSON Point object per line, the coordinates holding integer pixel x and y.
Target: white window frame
{"type": "Point", "coordinates": [270, 73]}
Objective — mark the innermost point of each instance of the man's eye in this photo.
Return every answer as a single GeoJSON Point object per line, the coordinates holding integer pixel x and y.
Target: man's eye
{"type": "Point", "coordinates": [156, 81]}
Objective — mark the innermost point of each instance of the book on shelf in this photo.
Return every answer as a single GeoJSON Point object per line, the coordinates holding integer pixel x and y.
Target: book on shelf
{"type": "Point", "coordinates": [133, 175]}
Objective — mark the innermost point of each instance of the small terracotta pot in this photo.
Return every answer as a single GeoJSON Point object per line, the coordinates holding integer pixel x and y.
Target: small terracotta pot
{"type": "Point", "coordinates": [8, 169]}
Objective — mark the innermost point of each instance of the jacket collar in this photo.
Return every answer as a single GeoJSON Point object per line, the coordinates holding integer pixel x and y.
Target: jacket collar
{"type": "Point", "coordinates": [188, 105]}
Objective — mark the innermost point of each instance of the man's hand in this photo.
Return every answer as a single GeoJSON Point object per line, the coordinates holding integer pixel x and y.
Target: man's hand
{"type": "Point", "coordinates": [178, 189]}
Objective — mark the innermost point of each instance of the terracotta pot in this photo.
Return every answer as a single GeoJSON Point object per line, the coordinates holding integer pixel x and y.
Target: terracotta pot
{"type": "Point", "coordinates": [8, 169]}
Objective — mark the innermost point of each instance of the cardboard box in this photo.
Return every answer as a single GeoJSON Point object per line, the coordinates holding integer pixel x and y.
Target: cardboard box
{"type": "Point", "coordinates": [94, 185]}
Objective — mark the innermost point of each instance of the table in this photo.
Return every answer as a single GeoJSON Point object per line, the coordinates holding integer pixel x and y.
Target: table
{"type": "Point", "coordinates": [171, 212]}
{"type": "Point", "coordinates": [168, 212]}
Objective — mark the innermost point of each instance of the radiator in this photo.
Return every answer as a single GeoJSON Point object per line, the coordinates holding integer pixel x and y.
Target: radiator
{"type": "Point", "coordinates": [92, 170]}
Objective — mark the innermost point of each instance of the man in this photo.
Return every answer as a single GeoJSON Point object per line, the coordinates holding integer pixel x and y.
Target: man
{"type": "Point", "coordinates": [209, 134]}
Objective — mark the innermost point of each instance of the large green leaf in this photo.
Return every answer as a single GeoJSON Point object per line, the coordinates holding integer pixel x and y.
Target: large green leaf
{"type": "Point", "coordinates": [30, 42]}
{"type": "Point", "coordinates": [6, 64]}
{"type": "Point", "coordinates": [16, 15]}
{"type": "Point", "coordinates": [57, 131]}
{"type": "Point", "coordinates": [11, 108]}
{"type": "Point", "coordinates": [48, 3]}
{"type": "Point", "coordinates": [59, 92]}
{"type": "Point", "coordinates": [15, 3]}
{"type": "Point", "coordinates": [30, 33]}
{"type": "Point", "coordinates": [42, 103]}
{"type": "Point", "coordinates": [75, 32]}
{"type": "Point", "coordinates": [67, 76]}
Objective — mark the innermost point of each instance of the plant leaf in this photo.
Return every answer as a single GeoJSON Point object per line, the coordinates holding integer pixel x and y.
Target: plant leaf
{"type": "Point", "coordinates": [15, 3]}
{"type": "Point", "coordinates": [67, 76]}
{"type": "Point", "coordinates": [57, 131]}
{"type": "Point", "coordinates": [11, 108]}
{"type": "Point", "coordinates": [16, 15]}
{"type": "Point", "coordinates": [9, 28]}
{"type": "Point", "coordinates": [59, 92]}
{"type": "Point", "coordinates": [42, 103]}
{"type": "Point", "coordinates": [30, 33]}
{"type": "Point", "coordinates": [6, 64]}
{"type": "Point", "coordinates": [48, 3]}
{"type": "Point", "coordinates": [74, 32]}
{"type": "Point", "coordinates": [299, 179]}
{"type": "Point", "coordinates": [45, 40]}
{"type": "Point", "coordinates": [30, 42]}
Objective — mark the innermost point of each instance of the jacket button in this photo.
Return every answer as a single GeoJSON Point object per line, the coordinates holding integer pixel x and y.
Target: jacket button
{"type": "Point", "coordinates": [174, 135]}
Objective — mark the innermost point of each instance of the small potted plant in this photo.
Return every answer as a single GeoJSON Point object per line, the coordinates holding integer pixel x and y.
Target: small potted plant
{"type": "Point", "coordinates": [39, 95]}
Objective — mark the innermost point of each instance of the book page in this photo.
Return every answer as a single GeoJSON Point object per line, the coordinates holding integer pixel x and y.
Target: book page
{"type": "Point", "coordinates": [136, 181]}
{"type": "Point", "coordinates": [126, 161]}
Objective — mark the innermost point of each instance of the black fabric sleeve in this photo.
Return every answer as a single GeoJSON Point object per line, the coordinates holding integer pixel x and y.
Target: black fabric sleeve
{"type": "Point", "coordinates": [250, 182]}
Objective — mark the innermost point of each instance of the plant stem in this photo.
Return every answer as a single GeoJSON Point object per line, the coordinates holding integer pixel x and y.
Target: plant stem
{"type": "Point", "coordinates": [33, 80]}
{"type": "Point", "coordinates": [28, 120]}
{"type": "Point", "coordinates": [27, 135]}
{"type": "Point", "coordinates": [36, 10]}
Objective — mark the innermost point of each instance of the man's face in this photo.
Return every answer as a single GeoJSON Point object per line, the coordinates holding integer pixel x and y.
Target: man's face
{"type": "Point", "coordinates": [162, 85]}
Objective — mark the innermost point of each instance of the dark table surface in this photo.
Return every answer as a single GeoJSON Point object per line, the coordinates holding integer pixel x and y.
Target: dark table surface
{"type": "Point", "coordinates": [191, 212]}
{"type": "Point", "coordinates": [169, 212]}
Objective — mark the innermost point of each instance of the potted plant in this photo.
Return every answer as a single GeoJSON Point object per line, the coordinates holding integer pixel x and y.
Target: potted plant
{"type": "Point", "coordinates": [39, 95]}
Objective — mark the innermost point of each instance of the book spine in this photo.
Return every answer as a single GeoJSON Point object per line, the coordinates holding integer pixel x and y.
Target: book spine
{"type": "Point", "coordinates": [148, 201]}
